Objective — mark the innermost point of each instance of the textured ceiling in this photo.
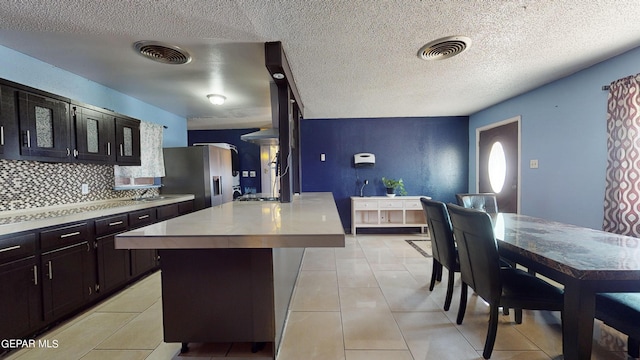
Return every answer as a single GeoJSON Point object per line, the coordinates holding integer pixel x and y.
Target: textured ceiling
{"type": "Point", "coordinates": [351, 58]}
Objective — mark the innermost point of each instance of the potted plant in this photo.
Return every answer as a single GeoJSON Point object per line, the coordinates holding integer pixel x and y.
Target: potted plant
{"type": "Point", "coordinates": [394, 187]}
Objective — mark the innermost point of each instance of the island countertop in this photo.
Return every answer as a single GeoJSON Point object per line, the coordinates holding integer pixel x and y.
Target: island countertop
{"type": "Point", "coordinates": [310, 220]}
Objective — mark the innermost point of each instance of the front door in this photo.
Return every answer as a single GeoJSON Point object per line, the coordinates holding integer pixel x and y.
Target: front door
{"type": "Point", "coordinates": [498, 164]}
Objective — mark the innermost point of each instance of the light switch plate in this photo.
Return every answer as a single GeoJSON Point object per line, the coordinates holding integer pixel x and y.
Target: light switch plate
{"type": "Point", "coordinates": [252, 174]}
{"type": "Point", "coordinates": [533, 164]}
{"type": "Point", "coordinates": [245, 174]}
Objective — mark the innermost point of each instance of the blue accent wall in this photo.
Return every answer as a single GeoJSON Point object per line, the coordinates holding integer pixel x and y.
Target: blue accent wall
{"type": "Point", "coordinates": [248, 153]}
{"type": "Point", "coordinates": [23, 69]}
{"type": "Point", "coordinates": [429, 154]}
{"type": "Point", "coordinates": [564, 128]}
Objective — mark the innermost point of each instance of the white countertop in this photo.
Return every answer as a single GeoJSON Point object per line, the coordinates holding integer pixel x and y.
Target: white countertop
{"type": "Point", "coordinates": [25, 220]}
{"type": "Point", "coordinates": [310, 220]}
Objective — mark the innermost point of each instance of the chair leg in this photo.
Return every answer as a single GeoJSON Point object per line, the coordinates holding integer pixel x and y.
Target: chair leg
{"type": "Point", "coordinates": [633, 347]}
{"type": "Point", "coordinates": [439, 272]}
{"type": "Point", "coordinates": [491, 332]}
{"type": "Point", "coordinates": [463, 303]}
{"type": "Point", "coordinates": [434, 273]}
{"type": "Point", "coordinates": [505, 311]}
{"type": "Point", "coordinates": [447, 300]}
{"type": "Point", "coordinates": [518, 316]}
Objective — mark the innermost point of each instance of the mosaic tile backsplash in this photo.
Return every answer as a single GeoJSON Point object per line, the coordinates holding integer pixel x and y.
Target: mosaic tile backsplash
{"type": "Point", "coordinates": [31, 184]}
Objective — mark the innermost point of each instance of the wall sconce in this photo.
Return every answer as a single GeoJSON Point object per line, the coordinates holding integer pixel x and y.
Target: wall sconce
{"type": "Point", "coordinates": [216, 99]}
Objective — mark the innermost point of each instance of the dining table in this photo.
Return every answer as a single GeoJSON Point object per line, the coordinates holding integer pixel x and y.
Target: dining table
{"type": "Point", "coordinates": [585, 261]}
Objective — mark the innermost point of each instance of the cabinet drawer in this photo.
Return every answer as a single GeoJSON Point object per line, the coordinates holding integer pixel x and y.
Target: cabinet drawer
{"type": "Point", "coordinates": [412, 204]}
{"type": "Point", "coordinates": [168, 211]}
{"type": "Point", "coordinates": [365, 204]}
{"type": "Point", "coordinates": [16, 247]}
{"type": "Point", "coordinates": [142, 217]}
{"type": "Point", "coordinates": [64, 235]}
{"type": "Point", "coordinates": [185, 207]}
{"type": "Point", "coordinates": [390, 204]}
{"type": "Point", "coordinates": [112, 225]}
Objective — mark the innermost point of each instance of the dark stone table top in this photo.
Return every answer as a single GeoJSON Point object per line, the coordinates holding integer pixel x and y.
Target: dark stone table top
{"type": "Point", "coordinates": [579, 252]}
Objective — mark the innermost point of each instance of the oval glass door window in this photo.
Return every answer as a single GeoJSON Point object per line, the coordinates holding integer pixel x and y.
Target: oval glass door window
{"type": "Point", "coordinates": [497, 167]}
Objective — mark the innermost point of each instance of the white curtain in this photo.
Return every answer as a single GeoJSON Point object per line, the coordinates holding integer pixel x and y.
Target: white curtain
{"type": "Point", "coordinates": [151, 159]}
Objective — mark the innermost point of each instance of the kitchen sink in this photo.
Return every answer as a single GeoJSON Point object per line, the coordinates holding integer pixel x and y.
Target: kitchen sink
{"type": "Point", "coordinates": [152, 198]}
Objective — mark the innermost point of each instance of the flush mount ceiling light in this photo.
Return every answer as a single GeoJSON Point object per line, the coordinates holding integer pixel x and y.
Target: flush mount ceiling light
{"type": "Point", "coordinates": [444, 48]}
{"type": "Point", "coordinates": [216, 99]}
{"type": "Point", "coordinates": [163, 53]}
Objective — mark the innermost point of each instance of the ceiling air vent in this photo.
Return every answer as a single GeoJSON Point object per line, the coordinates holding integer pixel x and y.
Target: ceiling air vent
{"type": "Point", "coordinates": [163, 53]}
{"type": "Point", "coordinates": [444, 48]}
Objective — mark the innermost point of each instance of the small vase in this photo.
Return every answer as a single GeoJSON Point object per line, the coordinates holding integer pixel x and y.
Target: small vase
{"type": "Point", "coordinates": [391, 192]}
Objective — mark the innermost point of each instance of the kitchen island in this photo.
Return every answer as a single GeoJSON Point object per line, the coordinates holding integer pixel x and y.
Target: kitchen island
{"type": "Point", "coordinates": [228, 271]}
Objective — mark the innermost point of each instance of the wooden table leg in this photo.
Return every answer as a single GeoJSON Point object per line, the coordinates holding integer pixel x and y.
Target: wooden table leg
{"type": "Point", "coordinates": [577, 322]}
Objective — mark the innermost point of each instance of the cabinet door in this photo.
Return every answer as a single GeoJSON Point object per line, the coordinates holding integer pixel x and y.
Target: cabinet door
{"type": "Point", "coordinates": [94, 133]}
{"type": "Point", "coordinates": [143, 260]}
{"type": "Point", "coordinates": [66, 282]}
{"type": "Point", "coordinates": [113, 264]}
{"type": "Point", "coordinates": [3, 113]}
{"type": "Point", "coordinates": [20, 306]}
{"type": "Point", "coordinates": [44, 127]}
{"type": "Point", "coordinates": [127, 141]}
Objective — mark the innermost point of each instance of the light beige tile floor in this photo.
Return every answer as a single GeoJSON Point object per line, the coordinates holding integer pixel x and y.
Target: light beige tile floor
{"type": "Point", "coordinates": [367, 301]}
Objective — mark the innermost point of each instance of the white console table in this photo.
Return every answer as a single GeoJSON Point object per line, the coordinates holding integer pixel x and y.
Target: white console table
{"type": "Point", "coordinates": [384, 211]}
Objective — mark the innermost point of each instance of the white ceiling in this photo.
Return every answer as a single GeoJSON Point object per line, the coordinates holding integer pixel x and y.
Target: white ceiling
{"type": "Point", "coordinates": [349, 58]}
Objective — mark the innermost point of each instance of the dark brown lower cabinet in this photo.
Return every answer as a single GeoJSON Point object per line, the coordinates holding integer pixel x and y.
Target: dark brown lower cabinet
{"type": "Point", "coordinates": [67, 282]}
{"type": "Point", "coordinates": [143, 260]}
{"type": "Point", "coordinates": [113, 264]}
{"type": "Point", "coordinates": [20, 304]}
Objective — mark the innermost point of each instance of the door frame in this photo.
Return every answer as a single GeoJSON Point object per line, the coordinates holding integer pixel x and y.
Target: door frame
{"type": "Point", "coordinates": [489, 127]}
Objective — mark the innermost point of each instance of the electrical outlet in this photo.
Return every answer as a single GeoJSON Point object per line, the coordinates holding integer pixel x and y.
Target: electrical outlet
{"type": "Point", "coordinates": [322, 157]}
{"type": "Point", "coordinates": [84, 189]}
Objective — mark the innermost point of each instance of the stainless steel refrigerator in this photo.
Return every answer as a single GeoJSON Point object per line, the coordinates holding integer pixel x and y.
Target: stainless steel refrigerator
{"type": "Point", "coordinates": [204, 171]}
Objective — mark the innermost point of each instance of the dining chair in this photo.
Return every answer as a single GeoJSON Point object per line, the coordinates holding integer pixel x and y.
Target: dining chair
{"type": "Point", "coordinates": [443, 246]}
{"type": "Point", "coordinates": [622, 312]}
{"type": "Point", "coordinates": [499, 286]}
{"type": "Point", "coordinates": [480, 201]}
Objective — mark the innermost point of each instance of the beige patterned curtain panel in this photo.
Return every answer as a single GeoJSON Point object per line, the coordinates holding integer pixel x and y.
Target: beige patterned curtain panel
{"type": "Point", "coordinates": [151, 159]}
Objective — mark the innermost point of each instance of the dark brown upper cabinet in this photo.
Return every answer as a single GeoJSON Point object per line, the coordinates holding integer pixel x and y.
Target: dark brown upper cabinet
{"type": "Point", "coordinates": [94, 135]}
{"type": "Point", "coordinates": [127, 141]}
{"type": "Point", "coordinates": [45, 128]}
{"type": "Point", "coordinates": [36, 125]}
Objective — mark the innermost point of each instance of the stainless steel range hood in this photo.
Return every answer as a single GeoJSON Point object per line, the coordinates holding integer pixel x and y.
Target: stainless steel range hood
{"type": "Point", "coordinates": [267, 136]}
{"type": "Point", "coordinates": [262, 137]}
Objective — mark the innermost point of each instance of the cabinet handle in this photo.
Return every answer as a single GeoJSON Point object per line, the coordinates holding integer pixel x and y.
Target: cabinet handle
{"type": "Point", "coordinates": [143, 217]}
{"type": "Point", "coordinates": [28, 138]}
{"type": "Point", "coordinates": [115, 223]}
{"type": "Point", "coordinates": [68, 152]}
{"type": "Point", "coordinates": [89, 290]}
{"type": "Point", "coordinates": [121, 150]}
{"type": "Point", "coordinates": [109, 148]}
{"type": "Point", "coordinates": [10, 248]}
{"type": "Point", "coordinates": [35, 274]}
{"type": "Point", "coordinates": [1, 135]}
{"type": "Point", "coordinates": [75, 153]}
{"type": "Point", "coordinates": [69, 234]}
{"type": "Point", "coordinates": [50, 270]}
{"type": "Point", "coordinates": [88, 247]}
